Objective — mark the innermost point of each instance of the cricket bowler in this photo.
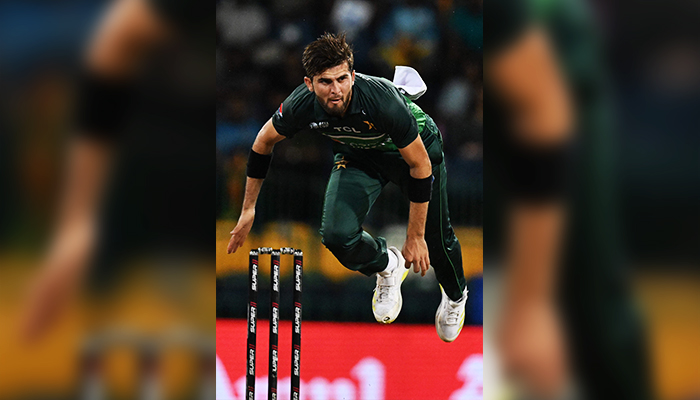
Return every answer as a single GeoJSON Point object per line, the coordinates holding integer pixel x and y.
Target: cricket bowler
{"type": "Point", "coordinates": [379, 136]}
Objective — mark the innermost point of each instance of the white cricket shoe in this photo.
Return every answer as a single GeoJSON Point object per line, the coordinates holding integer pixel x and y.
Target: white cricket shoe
{"type": "Point", "coordinates": [387, 301]}
{"type": "Point", "coordinates": [449, 317]}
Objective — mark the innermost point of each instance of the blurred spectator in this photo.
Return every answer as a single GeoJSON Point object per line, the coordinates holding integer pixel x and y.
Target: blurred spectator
{"type": "Point", "coordinates": [468, 21]}
{"type": "Point", "coordinates": [241, 22]}
{"type": "Point", "coordinates": [408, 35]}
{"type": "Point", "coordinates": [352, 16]}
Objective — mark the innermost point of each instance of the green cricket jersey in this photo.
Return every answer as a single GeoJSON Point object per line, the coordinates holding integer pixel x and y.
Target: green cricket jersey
{"type": "Point", "coordinates": [378, 117]}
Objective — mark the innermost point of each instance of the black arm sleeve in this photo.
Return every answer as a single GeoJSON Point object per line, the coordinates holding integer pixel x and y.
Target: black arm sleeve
{"type": "Point", "coordinates": [102, 105]}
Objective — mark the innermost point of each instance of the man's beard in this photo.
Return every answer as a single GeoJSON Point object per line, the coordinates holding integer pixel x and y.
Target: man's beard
{"type": "Point", "coordinates": [335, 111]}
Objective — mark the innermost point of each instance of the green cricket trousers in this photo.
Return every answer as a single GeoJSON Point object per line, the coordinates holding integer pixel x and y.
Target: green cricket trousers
{"type": "Point", "coordinates": [356, 181]}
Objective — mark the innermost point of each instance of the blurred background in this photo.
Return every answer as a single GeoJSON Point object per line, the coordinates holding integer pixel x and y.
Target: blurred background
{"type": "Point", "coordinates": [142, 323]}
{"type": "Point", "coordinates": [632, 71]}
{"type": "Point", "coordinates": [258, 56]}
{"type": "Point", "coordinates": [654, 54]}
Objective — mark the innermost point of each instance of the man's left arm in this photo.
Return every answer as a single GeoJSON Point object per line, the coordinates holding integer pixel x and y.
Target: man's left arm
{"type": "Point", "coordinates": [415, 249]}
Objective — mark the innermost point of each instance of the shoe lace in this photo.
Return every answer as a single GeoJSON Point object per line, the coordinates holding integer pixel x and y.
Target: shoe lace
{"type": "Point", "coordinates": [384, 287]}
{"type": "Point", "coordinates": [453, 315]}
{"type": "Point", "coordinates": [383, 293]}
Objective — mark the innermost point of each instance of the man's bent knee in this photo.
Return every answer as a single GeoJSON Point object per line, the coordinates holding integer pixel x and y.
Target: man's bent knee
{"type": "Point", "coordinates": [338, 239]}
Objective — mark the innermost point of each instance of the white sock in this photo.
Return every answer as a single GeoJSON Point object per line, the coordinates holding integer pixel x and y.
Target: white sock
{"type": "Point", "coordinates": [393, 262]}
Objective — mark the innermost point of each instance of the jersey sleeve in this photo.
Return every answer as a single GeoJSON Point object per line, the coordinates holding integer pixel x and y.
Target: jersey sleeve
{"type": "Point", "coordinates": [284, 119]}
{"type": "Point", "coordinates": [396, 119]}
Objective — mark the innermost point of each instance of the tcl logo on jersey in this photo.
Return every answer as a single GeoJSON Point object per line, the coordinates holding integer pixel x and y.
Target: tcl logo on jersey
{"type": "Point", "coordinates": [346, 129]}
{"type": "Point", "coordinates": [354, 361]}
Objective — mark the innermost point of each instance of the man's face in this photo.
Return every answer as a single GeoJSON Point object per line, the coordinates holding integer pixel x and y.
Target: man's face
{"type": "Point", "coordinates": [333, 88]}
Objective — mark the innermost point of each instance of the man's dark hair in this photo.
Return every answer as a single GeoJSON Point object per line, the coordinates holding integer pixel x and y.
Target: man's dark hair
{"type": "Point", "coordinates": [328, 51]}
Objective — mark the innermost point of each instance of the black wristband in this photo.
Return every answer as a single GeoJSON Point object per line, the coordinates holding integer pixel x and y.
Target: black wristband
{"type": "Point", "coordinates": [258, 164]}
{"type": "Point", "coordinates": [538, 173]}
{"type": "Point", "coordinates": [102, 105]}
{"type": "Point", "coordinates": [420, 190]}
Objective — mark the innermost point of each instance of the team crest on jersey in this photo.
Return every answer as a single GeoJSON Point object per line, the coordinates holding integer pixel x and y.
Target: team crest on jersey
{"type": "Point", "coordinates": [342, 163]}
{"type": "Point", "coordinates": [317, 125]}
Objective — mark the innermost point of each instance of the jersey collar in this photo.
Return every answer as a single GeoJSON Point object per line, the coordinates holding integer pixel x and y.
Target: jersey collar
{"type": "Point", "coordinates": [354, 108]}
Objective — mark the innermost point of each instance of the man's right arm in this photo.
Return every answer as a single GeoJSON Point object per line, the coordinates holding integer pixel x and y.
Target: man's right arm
{"type": "Point", "coordinates": [528, 78]}
{"type": "Point", "coordinates": [128, 32]}
{"type": "Point", "coordinates": [263, 145]}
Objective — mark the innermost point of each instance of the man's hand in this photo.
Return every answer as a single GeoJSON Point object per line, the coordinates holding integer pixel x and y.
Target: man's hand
{"type": "Point", "coordinates": [59, 279]}
{"type": "Point", "coordinates": [264, 143]}
{"type": "Point", "coordinates": [533, 349]}
{"type": "Point", "coordinates": [48, 296]}
{"type": "Point", "coordinates": [415, 251]}
{"type": "Point", "coordinates": [241, 231]}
